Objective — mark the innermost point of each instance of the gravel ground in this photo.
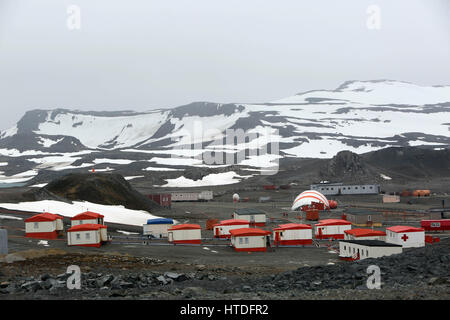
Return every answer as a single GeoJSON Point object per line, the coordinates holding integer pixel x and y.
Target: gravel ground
{"type": "Point", "coordinates": [420, 273]}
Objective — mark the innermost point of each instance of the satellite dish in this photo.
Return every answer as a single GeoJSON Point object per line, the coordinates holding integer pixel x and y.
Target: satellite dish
{"type": "Point", "coordinates": [235, 197]}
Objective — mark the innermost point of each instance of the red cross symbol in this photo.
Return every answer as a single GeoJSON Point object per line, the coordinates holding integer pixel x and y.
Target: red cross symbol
{"type": "Point", "coordinates": [405, 237]}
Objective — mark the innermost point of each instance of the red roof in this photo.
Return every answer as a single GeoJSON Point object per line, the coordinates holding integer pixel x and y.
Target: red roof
{"type": "Point", "coordinates": [86, 227]}
{"type": "Point", "coordinates": [293, 226]}
{"type": "Point", "coordinates": [401, 229]}
{"type": "Point", "coordinates": [242, 232]}
{"type": "Point", "coordinates": [185, 226]}
{"type": "Point", "coordinates": [46, 216]}
{"type": "Point", "coordinates": [88, 215]}
{"type": "Point", "coordinates": [365, 232]}
{"type": "Point", "coordinates": [333, 222]}
{"type": "Point", "coordinates": [232, 222]}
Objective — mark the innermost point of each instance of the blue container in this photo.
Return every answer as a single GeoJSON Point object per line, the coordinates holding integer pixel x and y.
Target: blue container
{"type": "Point", "coordinates": [160, 221]}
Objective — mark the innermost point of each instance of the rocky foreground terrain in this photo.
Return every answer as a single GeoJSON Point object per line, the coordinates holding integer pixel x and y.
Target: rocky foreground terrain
{"type": "Point", "coordinates": [421, 273]}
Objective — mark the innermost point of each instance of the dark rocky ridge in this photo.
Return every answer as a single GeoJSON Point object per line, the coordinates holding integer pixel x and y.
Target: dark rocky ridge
{"type": "Point", "coordinates": [402, 164]}
{"type": "Point", "coordinates": [101, 188]}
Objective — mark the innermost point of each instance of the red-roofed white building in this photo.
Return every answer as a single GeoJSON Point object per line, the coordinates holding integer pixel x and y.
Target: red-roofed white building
{"type": "Point", "coordinates": [249, 239]}
{"type": "Point", "coordinates": [87, 217]}
{"type": "Point", "coordinates": [44, 226]}
{"type": "Point", "coordinates": [87, 235]}
{"type": "Point", "coordinates": [331, 228]}
{"type": "Point", "coordinates": [185, 234]}
{"type": "Point", "coordinates": [292, 234]}
{"type": "Point", "coordinates": [222, 229]}
{"type": "Point", "coordinates": [407, 236]}
{"type": "Point", "coordinates": [364, 234]}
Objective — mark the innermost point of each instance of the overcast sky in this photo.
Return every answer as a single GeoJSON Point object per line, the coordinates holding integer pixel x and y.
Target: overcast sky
{"type": "Point", "coordinates": [146, 54]}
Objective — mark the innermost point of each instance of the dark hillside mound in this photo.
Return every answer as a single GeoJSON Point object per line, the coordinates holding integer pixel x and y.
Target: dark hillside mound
{"type": "Point", "coordinates": [412, 161]}
{"type": "Point", "coordinates": [346, 165]}
{"type": "Point", "coordinates": [102, 188]}
{"type": "Point", "coordinates": [402, 164]}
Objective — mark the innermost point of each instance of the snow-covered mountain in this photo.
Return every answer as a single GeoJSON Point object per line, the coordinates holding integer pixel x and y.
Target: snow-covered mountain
{"type": "Point", "coordinates": [359, 116]}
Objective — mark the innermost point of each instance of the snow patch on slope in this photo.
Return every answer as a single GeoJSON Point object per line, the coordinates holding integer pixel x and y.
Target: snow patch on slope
{"type": "Point", "coordinates": [377, 92]}
{"type": "Point", "coordinates": [213, 179]}
{"type": "Point", "coordinates": [113, 214]}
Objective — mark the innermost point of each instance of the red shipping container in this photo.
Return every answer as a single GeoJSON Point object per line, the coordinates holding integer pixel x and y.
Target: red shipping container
{"type": "Point", "coordinates": [163, 199]}
{"type": "Point", "coordinates": [318, 205]}
{"type": "Point", "coordinates": [312, 214]}
{"type": "Point", "coordinates": [270, 187]}
{"type": "Point", "coordinates": [435, 225]}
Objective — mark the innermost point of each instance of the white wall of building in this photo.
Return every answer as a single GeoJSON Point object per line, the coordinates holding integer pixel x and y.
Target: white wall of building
{"type": "Point", "coordinates": [83, 237]}
{"type": "Point", "coordinates": [42, 226]}
{"type": "Point", "coordinates": [257, 218]}
{"type": "Point", "coordinates": [415, 239]}
{"type": "Point", "coordinates": [352, 237]}
{"type": "Point", "coordinates": [349, 249]}
{"type": "Point", "coordinates": [188, 234]}
{"type": "Point", "coordinates": [334, 229]}
{"type": "Point", "coordinates": [185, 196]}
{"type": "Point", "coordinates": [90, 221]}
{"type": "Point", "coordinates": [59, 224]}
{"type": "Point", "coordinates": [328, 190]}
{"type": "Point", "coordinates": [244, 242]}
{"type": "Point", "coordinates": [103, 234]}
{"type": "Point", "coordinates": [295, 234]}
{"type": "Point", "coordinates": [206, 195]}
{"type": "Point", "coordinates": [225, 230]}
{"type": "Point", "coordinates": [157, 230]}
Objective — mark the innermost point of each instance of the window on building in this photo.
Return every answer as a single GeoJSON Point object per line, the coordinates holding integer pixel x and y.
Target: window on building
{"type": "Point", "coordinates": [367, 253]}
{"type": "Point", "coordinates": [370, 187]}
{"type": "Point", "coordinates": [88, 236]}
{"type": "Point", "coordinates": [81, 221]}
{"type": "Point", "coordinates": [353, 250]}
{"type": "Point", "coordinates": [78, 236]}
{"type": "Point", "coordinates": [246, 240]}
{"type": "Point", "coordinates": [36, 225]}
{"type": "Point", "coordinates": [369, 218]}
{"type": "Point", "coordinates": [241, 240]}
{"type": "Point", "coordinates": [364, 187]}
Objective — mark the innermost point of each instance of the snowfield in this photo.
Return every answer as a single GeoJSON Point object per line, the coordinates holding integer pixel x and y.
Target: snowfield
{"type": "Point", "coordinates": [10, 217]}
{"type": "Point", "coordinates": [378, 92]}
{"type": "Point", "coordinates": [113, 214]}
{"type": "Point", "coordinates": [213, 179]}
{"type": "Point", "coordinates": [385, 177]}
{"type": "Point", "coordinates": [20, 177]}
